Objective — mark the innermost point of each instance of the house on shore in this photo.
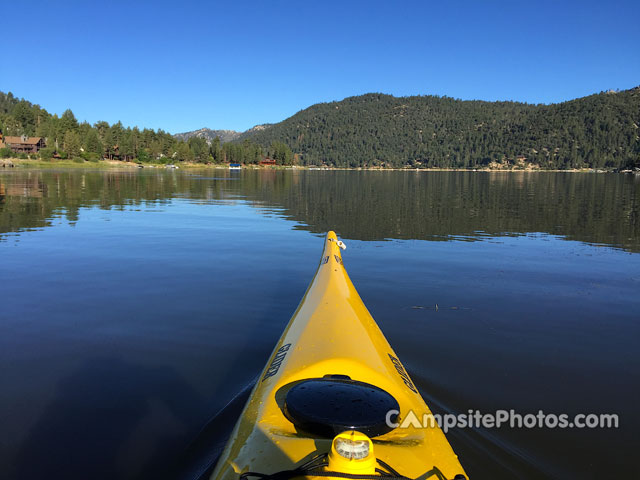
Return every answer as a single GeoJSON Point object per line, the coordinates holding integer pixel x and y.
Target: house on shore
{"type": "Point", "coordinates": [113, 153]}
{"type": "Point", "coordinates": [23, 144]}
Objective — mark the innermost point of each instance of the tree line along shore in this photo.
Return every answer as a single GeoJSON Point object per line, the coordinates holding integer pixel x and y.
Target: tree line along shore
{"type": "Point", "coordinates": [373, 131]}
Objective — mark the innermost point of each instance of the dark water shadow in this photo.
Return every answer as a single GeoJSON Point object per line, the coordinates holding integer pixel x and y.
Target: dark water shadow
{"type": "Point", "coordinates": [199, 458]}
{"type": "Point", "coordinates": [97, 424]}
{"type": "Point", "coordinates": [476, 447]}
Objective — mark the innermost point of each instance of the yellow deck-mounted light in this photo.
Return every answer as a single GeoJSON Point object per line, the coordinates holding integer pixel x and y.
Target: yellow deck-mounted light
{"type": "Point", "coordinates": [352, 452]}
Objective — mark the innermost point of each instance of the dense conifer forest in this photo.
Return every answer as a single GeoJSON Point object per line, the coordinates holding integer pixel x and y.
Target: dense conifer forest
{"type": "Point", "coordinates": [373, 130]}
{"type": "Point", "coordinates": [597, 131]}
{"type": "Point", "coordinates": [68, 138]}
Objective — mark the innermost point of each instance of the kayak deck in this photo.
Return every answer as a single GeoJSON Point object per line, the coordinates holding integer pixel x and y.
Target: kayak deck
{"type": "Point", "coordinates": [331, 334]}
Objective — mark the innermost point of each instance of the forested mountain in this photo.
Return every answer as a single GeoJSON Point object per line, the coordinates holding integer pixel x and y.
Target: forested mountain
{"type": "Point", "coordinates": [209, 135]}
{"type": "Point", "coordinates": [598, 131]}
{"type": "Point", "coordinates": [371, 130]}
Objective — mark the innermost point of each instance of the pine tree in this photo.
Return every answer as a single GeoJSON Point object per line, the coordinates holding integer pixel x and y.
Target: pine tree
{"type": "Point", "coordinates": [92, 142]}
{"type": "Point", "coordinates": [72, 144]}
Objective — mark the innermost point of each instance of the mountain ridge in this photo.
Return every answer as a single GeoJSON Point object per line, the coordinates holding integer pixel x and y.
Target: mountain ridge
{"type": "Point", "coordinates": [209, 134]}
{"type": "Point", "coordinates": [374, 129]}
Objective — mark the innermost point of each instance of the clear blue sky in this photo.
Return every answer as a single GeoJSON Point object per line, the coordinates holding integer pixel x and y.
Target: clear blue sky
{"type": "Point", "coordinates": [185, 65]}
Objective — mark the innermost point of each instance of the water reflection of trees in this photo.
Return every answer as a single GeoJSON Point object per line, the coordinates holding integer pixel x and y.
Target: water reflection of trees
{"type": "Point", "coordinates": [596, 208]}
{"type": "Point", "coordinates": [441, 205]}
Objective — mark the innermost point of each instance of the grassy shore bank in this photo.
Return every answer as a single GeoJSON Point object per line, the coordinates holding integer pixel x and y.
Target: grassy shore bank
{"type": "Point", "coordinates": [117, 164]}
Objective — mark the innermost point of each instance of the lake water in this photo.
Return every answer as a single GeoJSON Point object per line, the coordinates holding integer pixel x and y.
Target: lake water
{"type": "Point", "coordinates": [134, 306]}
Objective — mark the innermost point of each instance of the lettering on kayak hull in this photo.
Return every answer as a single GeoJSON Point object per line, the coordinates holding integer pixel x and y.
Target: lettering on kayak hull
{"type": "Point", "coordinates": [403, 373]}
{"type": "Point", "coordinates": [277, 361]}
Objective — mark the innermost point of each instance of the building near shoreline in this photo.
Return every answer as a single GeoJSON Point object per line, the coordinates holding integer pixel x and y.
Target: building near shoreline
{"type": "Point", "coordinates": [23, 144]}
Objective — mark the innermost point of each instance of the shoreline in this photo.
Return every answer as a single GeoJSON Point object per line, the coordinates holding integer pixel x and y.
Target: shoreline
{"type": "Point", "coordinates": [115, 164]}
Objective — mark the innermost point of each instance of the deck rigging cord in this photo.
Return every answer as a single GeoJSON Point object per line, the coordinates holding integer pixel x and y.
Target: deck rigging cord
{"type": "Point", "coordinates": [313, 468]}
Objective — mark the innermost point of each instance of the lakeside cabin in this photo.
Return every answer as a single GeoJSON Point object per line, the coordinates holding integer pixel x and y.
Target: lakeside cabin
{"type": "Point", "coordinates": [23, 144]}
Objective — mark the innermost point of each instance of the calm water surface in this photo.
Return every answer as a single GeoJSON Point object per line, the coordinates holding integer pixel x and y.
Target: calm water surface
{"type": "Point", "coordinates": [134, 306]}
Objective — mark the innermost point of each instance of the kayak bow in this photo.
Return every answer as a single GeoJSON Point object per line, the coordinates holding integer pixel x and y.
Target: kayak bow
{"type": "Point", "coordinates": [333, 371]}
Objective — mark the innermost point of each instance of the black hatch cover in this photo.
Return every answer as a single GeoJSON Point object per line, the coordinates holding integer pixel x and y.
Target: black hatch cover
{"type": "Point", "coordinates": [328, 406]}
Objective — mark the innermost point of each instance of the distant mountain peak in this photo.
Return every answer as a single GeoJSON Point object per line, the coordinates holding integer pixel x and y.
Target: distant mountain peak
{"type": "Point", "coordinates": [225, 135]}
{"type": "Point", "coordinates": [209, 135]}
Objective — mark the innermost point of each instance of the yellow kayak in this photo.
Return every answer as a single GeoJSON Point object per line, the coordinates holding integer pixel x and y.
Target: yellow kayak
{"type": "Point", "coordinates": [333, 399]}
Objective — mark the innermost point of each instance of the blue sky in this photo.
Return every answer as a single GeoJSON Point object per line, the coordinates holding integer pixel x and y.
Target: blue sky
{"type": "Point", "coordinates": [185, 65]}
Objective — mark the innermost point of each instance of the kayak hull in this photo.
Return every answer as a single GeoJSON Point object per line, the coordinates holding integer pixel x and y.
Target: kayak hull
{"type": "Point", "coordinates": [331, 333]}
